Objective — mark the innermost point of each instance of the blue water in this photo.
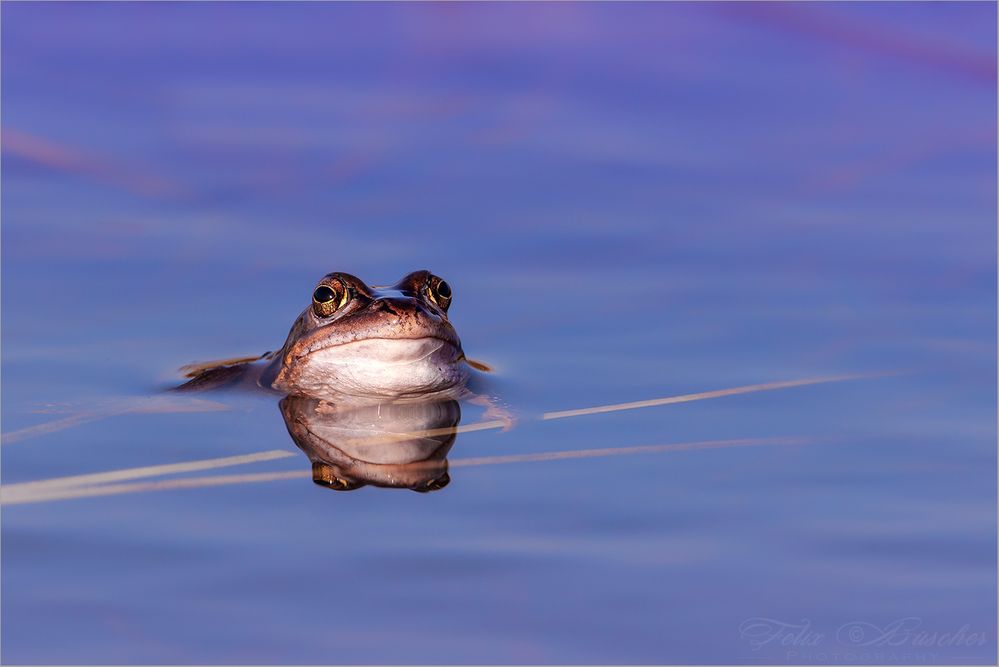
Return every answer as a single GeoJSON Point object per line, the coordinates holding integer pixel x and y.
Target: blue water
{"type": "Point", "coordinates": [630, 202]}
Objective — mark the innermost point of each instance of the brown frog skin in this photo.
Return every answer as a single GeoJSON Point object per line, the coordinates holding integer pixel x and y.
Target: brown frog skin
{"type": "Point", "coordinates": [360, 343]}
{"type": "Point", "coordinates": [380, 342]}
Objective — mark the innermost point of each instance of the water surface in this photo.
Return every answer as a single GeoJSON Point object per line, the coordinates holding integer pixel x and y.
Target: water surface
{"type": "Point", "coordinates": [630, 203]}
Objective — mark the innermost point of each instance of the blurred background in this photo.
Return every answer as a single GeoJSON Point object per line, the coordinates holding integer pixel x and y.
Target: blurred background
{"type": "Point", "coordinates": [629, 202]}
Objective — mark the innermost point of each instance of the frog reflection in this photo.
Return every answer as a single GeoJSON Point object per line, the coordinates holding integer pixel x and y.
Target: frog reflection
{"type": "Point", "coordinates": [396, 445]}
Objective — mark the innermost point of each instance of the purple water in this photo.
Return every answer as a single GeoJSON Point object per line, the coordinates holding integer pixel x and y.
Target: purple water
{"type": "Point", "coordinates": [630, 202]}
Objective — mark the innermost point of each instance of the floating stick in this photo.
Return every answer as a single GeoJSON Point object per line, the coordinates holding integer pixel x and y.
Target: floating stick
{"type": "Point", "coordinates": [11, 493]}
{"type": "Point", "coordinates": [142, 405]}
{"type": "Point", "coordinates": [146, 471]}
{"type": "Point", "coordinates": [686, 398]}
{"type": "Point", "coordinates": [64, 493]}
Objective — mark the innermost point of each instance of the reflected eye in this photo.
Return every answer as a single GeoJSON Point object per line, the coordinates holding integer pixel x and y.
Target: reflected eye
{"type": "Point", "coordinates": [435, 484]}
{"type": "Point", "coordinates": [327, 299]}
{"type": "Point", "coordinates": [439, 292]}
{"type": "Point", "coordinates": [326, 475]}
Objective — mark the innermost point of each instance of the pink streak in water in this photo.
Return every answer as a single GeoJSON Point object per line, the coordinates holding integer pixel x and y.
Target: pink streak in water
{"type": "Point", "coordinates": [100, 169]}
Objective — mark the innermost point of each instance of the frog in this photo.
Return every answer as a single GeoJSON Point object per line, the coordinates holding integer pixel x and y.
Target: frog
{"type": "Point", "coordinates": [354, 340]}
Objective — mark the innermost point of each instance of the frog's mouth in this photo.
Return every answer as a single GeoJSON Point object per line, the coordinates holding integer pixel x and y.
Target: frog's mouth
{"type": "Point", "coordinates": [375, 366]}
{"type": "Point", "coordinates": [393, 350]}
{"type": "Point", "coordinates": [383, 346]}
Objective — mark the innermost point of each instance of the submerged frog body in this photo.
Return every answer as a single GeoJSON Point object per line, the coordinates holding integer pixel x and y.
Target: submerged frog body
{"type": "Point", "coordinates": [356, 340]}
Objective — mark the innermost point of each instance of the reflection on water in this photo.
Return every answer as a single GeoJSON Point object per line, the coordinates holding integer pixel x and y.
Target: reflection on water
{"type": "Point", "coordinates": [399, 445]}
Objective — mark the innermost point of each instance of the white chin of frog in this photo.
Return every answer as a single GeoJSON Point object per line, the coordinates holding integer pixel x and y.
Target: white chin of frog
{"type": "Point", "coordinates": [380, 367]}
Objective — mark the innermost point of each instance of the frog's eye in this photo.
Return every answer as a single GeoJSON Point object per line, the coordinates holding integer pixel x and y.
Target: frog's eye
{"type": "Point", "coordinates": [323, 294]}
{"type": "Point", "coordinates": [439, 292]}
{"type": "Point", "coordinates": [328, 298]}
{"type": "Point", "coordinates": [443, 290]}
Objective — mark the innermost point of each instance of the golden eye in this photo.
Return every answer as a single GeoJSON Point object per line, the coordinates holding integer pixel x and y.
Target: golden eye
{"type": "Point", "coordinates": [329, 298]}
{"type": "Point", "coordinates": [439, 292]}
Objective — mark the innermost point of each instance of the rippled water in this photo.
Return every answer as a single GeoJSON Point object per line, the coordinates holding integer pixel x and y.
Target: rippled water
{"type": "Point", "coordinates": [630, 203]}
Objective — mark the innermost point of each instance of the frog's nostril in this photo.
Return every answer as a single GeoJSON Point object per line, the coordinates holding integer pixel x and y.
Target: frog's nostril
{"type": "Point", "coordinates": [391, 306]}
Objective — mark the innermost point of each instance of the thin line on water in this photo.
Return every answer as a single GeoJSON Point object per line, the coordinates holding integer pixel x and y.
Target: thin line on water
{"type": "Point", "coordinates": [466, 428]}
{"type": "Point", "coordinates": [615, 407]}
{"type": "Point", "coordinates": [116, 489]}
{"type": "Point", "coordinates": [65, 493]}
{"type": "Point", "coordinates": [621, 451]}
{"type": "Point", "coordinates": [144, 471]}
{"type": "Point", "coordinates": [148, 405]}
{"type": "Point", "coordinates": [73, 420]}
{"type": "Point", "coordinates": [53, 426]}
{"type": "Point", "coordinates": [686, 398]}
